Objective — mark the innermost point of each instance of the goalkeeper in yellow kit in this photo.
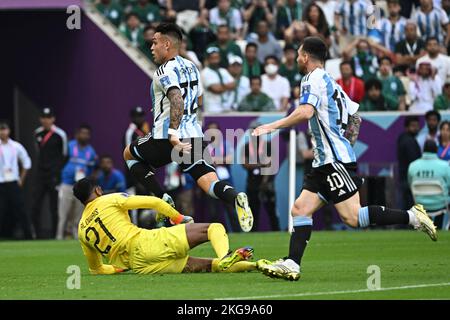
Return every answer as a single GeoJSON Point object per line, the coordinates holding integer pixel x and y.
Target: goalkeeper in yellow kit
{"type": "Point", "coordinates": [105, 230]}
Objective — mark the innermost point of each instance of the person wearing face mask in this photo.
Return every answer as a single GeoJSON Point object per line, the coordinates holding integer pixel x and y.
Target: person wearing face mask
{"type": "Point", "coordinates": [364, 62]}
{"type": "Point", "coordinates": [218, 83]}
{"type": "Point", "coordinates": [274, 85]}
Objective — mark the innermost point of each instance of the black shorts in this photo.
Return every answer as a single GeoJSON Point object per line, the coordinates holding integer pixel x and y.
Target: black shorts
{"type": "Point", "coordinates": [333, 182]}
{"type": "Point", "coordinates": [158, 153]}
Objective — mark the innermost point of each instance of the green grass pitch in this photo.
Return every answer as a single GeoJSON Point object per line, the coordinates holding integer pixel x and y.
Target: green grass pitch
{"type": "Point", "coordinates": [334, 267]}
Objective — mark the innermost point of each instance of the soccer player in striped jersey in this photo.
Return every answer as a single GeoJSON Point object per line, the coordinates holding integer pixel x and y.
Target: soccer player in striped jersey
{"type": "Point", "coordinates": [351, 17]}
{"type": "Point", "coordinates": [333, 177]}
{"type": "Point", "coordinates": [177, 136]}
{"type": "Point", "coordinates": [432, 22]}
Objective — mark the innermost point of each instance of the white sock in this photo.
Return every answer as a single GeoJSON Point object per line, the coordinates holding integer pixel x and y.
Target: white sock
{"type": "Point", "coordinates": [412, 218]}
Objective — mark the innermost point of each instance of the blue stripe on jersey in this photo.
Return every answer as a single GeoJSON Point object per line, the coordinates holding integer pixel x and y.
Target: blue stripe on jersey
{"type": "Point", "coordinates": [152, 97]}
{"type": "Point", "coordinates": [362, 15]}
{"type": "Point", "coordinates": [188, 88]}
{"type": "Point", "coordinates": [315, 130]}
{"type": "Point", "coordinates": [437, 27]}
{"type": "Point", "coordinates": [420, 23]}
{"type": "Point", "coordinates": [166, 128]}
{"type": "Point", "coordinates": [428, 25]}
{"type": "Point", "coordinates": [333, 114]}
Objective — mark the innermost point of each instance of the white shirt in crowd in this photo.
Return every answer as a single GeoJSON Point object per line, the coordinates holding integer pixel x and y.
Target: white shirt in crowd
{"type": "Point", "coordinates": [423, 92]}
{"type": "Point", "coordinates": [441, 63]}
{"type": "Point", "coordinates": [242, 89]}
{"type": "Point", "coordinates": [276, 88]}
{"type": "Point", "coordinates": [213, 102]}
{"type": "Point", "coordinates": [233, 18]}
{"type": "Point", "coordinates": [11, 153]}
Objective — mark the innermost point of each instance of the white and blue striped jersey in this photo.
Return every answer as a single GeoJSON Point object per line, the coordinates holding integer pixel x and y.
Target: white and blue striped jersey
{"type": "Point", "coordinates": [353, 16]}
{"type": "Point", "coordinates": [332, 107]}
{"type": "Point", "coordinates": [430, 24]}
{"type": "Point", "coordinates": [176, 73]}
{"type": "Point", "coordinates": [392, 33]}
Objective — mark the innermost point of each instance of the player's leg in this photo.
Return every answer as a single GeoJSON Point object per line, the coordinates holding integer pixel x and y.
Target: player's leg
{"type": "Point", "coordinates": [206, 265]}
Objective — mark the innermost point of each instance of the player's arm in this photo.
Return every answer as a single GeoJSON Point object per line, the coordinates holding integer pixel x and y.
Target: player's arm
{"type": "Point", "coordinates": [352, 130]}
{"type": "Point", "coordinates": [154, 203]}
{"type": "Point", "coordinates": [95, 262]}
{"type": "Point", "coordinates": [176, 113]}
{"type": "Point", "coordinates": [302, 113]}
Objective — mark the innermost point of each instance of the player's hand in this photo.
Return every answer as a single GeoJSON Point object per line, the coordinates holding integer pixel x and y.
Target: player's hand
{"type": "Point", "coordinates": [183, 147]}
{"type": "Point", "coordinates": [186, 219]}
{"type": "Point", "coordinates": [264, 129]}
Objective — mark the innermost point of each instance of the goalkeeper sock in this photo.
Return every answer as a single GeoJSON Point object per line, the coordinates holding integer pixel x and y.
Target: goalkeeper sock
{"type": "Point", "coordinates": [381, 216]}
{"type": "Point", "coordinates": [300, 238]}
{"type": "Point", "coordinates": [223, 190]}
{"type": "Point", "coordinates": [219, 239]}
{"type": "Point", "coordinates": [145, 175]}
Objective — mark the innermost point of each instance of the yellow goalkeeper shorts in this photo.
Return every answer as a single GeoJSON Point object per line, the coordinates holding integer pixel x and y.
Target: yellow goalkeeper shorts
{"type": "Point", "coordinates": [163, 250]}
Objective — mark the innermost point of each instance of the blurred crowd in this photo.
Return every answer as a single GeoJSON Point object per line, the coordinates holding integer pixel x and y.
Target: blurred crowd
{"type": "Point", "coordinates": [387, 55]}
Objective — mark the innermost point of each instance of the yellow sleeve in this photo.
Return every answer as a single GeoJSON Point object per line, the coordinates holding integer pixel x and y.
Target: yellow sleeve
{"type": "Point", "coordinates": [149, 202]}
{"type": "Point", "coordinates": [95, 262]}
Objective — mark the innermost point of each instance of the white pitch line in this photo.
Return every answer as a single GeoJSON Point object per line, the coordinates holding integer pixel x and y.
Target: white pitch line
{"type": "Point", "coordinates": [310, 294]}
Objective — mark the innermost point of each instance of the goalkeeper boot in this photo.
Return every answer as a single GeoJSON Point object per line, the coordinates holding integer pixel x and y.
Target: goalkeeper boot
{"type": "Point", "coordinates": [241, 254]}
{"type": "Point", "coordinates": [423, 221]}
{"type": "Point", "coordinates": [282, 269]}
{"type": "Point", "coordinates": [245, 215]}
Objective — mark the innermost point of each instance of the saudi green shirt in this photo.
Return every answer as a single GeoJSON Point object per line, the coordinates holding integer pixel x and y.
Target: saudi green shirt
{"type": "Point", "coordinates": [260, 102]}
{"type": "Point", "coordinates": [442, 102]}
{"type": "Point", "coordinates": [391, 90]}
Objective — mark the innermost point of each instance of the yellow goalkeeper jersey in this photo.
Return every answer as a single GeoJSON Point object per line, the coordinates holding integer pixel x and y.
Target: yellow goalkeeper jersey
{"type": "Point", "coordinates": [105, 229]}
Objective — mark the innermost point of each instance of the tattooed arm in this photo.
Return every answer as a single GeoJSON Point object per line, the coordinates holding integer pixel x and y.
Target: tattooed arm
{"type": "Point", "coordinates": [176, 113]}
{"type": "Point", "coordinates": [352, 131]}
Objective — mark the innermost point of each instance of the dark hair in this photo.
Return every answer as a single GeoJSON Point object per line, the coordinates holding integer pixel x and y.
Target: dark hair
{"type": "Point", "coordinates": [148, 27]}
{"type": "Point", "coordinates": [443, 123]}
{"type": "Point", "coordinates": [83, 188]}
{"type": "Point", "coordinates": [271, 57]}
{"type": "Point", "coordinates": [255, 78]}
{"type": "Point", "coordinates": [346, 62]}
{"type": "Point", "coordinates": [289, 47]}
{"type": "Point", "coordinates": [4, 123]}
{"type": "Point", "coordinates": [315, 47]}
{"type": "Point", "coordinates": [132, 14]}
{"type": "Point", "coordinates": [410, 119]}
{"type": "Point", "coordinates": [431, 39]}
{"type": "Point", "coordinates": [250, 45]}
{"type": "Point", "coordinates": [105, 156]}
{"type": "Point", "coordinates": [385, 58]}
{"type": "Point", "coordinates": [433, 113]}
{"type": "Point", "coordinates": [84, 126]}
{"type": "Point", "coordinates": [430, 146]}
{"type": "Point", "coordinates": [373, 83]}
{"type": "Point", "coordinates": [322, 25]}
{"type": "Point", "coordinates": [170, 29]}
{"type": "Point", "coordinates": [222, 26]}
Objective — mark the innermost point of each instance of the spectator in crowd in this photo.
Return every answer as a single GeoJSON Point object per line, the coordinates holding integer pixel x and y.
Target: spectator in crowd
{"type": "Point", "coordinates": [439, 61]}
{"type": "Point", "coordinates": [442, 102]}
{"type": "Point", "coordinates": [289, 69]}
{"type": "Point", "coordinates": [201, 35]}
{"type": "Point", "coordinates": [287, 12]}
{"type": "Point", "coordinates": [110, 179]}
{"type": "Point", "coordinates": [256, 100]}
{"type": "Point", "coordinates": [81, 163]}
{"type": "Point", "coordinates": [296, 33]}
{"type": "Point", "coordinates": [392, 27]}
{"type": "Point", "coordinates": [408, 150]}
{"type": "Point", "coordinates": [188, 54]}
{"type": "Point", "coordinates": [411, 48]}
{"type": "Point", "coordinates": [444, 141]}
{"type": "Point", "coordinates": [148, 33]}
{"type": "Point", "coordinates": [446, 7]}
{"type": "Point", "coordinates": [251, 66]}
{"type": "Point", "coordinates": [148, 12]}
{"type": "Point", "coordinates": [226, 45]}
{"type": "Point", "coordinates": [432, 22]}
{"type": "Point", "coordinates": [328, 7]}
{"type": "Point", "coordinates": [132, 30]}
{"type": "Point", "coordinates": [316, 23]}
{"type": "Point", "coordinates": [267, 44]}
{"type": "Point", "coordinates": [222, 155]}
{"type": "Point", "coordinates": [217, 82]}
{"type": "Point", "coordinates": [407, 7]}
{"type": "Point", "coordinates": [393, 88]}
{"type": "Point", "coordinates": [275, 86]}
{"type": "Point", "coordinates": [350, 20]}
{"type": "Point", "coordinates": [256, 11]}
{"type": "Point", "coordinates": [111, 10]}
{"type": "Point", "coordinates": [242, 82]}
{"type": "Point", "coordinates": [184, 12]}
{"type": "Point", "coordinates": [352, 86]}
{"type": "Point", "coordinates": [12, 179]}
{"type": "Point", "coordinates": [51, 144]}
{"type": "Point", "coordinates": [260, 188]}
{"type": "Point", "coordinates": [224, 14]}
{"type": "Point", "coordinates": [431, 131]}
{"type": "Point", "coordinates": [374, 100]}
{"type": "Point", "coordinates": [424, 88]}
{"type": "Point", "coordinates": [364, 62]}
{"type": "Point", "coordinates": [429, 166]}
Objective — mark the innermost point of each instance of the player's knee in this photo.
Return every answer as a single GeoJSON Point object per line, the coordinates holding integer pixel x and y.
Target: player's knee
{"type": "Point", "coordinates": [351, 220]}
{"type": "Point", "coordinates": [299, 210]}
